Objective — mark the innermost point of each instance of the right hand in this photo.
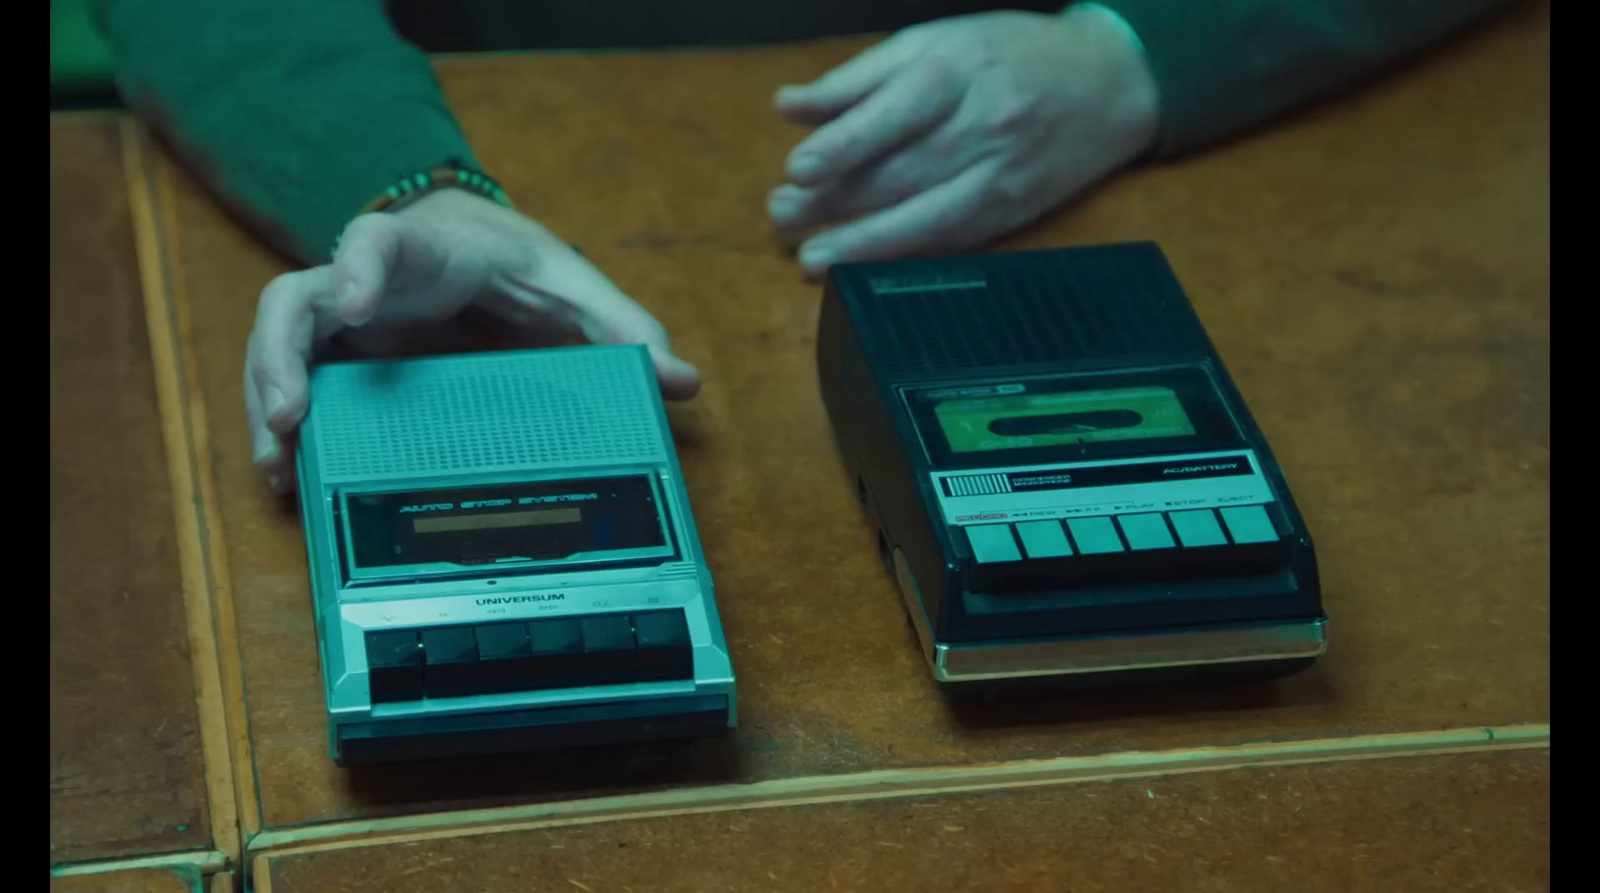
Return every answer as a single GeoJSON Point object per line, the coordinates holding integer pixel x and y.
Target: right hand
{"type": "Point", "coordinates": [449, 251]}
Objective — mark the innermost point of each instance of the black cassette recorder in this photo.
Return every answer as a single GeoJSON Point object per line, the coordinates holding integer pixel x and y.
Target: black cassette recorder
{"type": "Point", "coordinates": [1065, 481]}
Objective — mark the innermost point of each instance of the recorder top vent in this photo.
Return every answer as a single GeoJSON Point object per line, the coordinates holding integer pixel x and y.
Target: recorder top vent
{"type": "Point", "coordinates": [486, 413]}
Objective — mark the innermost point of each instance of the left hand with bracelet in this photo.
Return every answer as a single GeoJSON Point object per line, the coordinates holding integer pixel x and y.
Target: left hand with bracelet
{"type": "Point", "coordinates": [445, 252]}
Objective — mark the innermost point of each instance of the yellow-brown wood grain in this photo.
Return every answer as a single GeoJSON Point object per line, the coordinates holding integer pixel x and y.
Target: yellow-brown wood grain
{"type": "Point", "coordinates": [180, 428]}
{"type": "Point", "coordinates": [1375, 272]}
{"type": "Point", "coordinates": [133, 880]}
{"type": "Point", "coordinates": [128, 772]}
{"type": "Point", "coordinates": [886, 784]}
{"type": "Point", "coordinates": [1448, 823]}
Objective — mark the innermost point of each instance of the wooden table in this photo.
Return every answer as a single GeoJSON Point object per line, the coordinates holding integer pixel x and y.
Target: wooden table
{"type": "Point", "coordinates": [1461, 822]}
{"type": "Point", "coordinates": [128, 774]}
{"type": "Point", "coordinates": [187, 879]}
{"type": "Point", "coordinates": [1375, 272]}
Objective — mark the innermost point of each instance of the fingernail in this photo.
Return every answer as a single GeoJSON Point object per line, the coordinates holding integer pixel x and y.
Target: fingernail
{"type": "Point", "coordinates": [666, 357]}
{"type": "Point", "coordinates": [818, 256]}
{"type": "Point", "coordinates": [805, 166]}
{"type": "Point", "coordinates": [274, 400]}
{"type": "Point", "coordinates": [266, 448]}
{"type": "Point", "coordinates": [783, 205]}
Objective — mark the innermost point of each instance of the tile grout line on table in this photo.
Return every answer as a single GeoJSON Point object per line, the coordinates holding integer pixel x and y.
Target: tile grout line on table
{"type": "Point", "coordinates": [235, 699]}
{"type": "Point", "coordinates": [889, 784]}
{"type": "Point", "coordinates": [235, 696]}
{"type": "Point", "coordinates": [211, 658]}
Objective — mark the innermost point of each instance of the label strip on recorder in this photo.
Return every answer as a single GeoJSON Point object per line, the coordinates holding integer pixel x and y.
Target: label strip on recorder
{"type": "Point", "coordinates": [1073, 490]}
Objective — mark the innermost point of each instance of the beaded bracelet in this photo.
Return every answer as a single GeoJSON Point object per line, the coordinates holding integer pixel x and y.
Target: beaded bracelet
{"type": "Point", "coordinates": [414, 186]}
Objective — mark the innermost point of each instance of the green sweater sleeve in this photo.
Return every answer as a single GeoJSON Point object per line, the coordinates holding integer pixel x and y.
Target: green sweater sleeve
{"type": "Point", "coordinates": [1228, 65]}
{"type": "Point", "coordinates": [297, 111]}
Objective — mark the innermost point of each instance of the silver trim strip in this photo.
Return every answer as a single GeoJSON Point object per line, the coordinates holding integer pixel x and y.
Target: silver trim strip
{"type": "Point", "coordinates": [1023, 658]}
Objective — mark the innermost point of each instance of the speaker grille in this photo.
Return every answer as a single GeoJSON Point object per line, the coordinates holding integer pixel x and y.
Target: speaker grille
{"type": "Point", "coordinates": [1024, 308]}
{"type": "Point", "coordinates": [486, 413]}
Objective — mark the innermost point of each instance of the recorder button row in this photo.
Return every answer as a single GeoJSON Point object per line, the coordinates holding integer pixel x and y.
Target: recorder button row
{"type": "Point", "coordinates": [456, 661]}
{"type": "Point", "coordinates": [995, 543]}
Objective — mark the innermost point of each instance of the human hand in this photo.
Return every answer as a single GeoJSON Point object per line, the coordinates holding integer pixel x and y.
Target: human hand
{"type": "Point", "coordinates": [416, 269]}
{"type": "Point", "coordinates": [954, 132]}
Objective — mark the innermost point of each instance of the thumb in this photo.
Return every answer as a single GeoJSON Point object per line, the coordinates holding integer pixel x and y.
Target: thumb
{"type": "Point", "coordinates": [363, 265]}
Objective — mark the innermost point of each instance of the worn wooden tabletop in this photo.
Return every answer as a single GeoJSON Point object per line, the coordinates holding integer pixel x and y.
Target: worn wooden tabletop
{"type": "Point", "coordinates": [1375, 272]}
{"type": "Point", "coordinates": [127, 775]}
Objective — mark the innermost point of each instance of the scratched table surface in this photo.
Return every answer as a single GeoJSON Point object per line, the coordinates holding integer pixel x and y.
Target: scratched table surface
{"type": "Point", "coordinates": [1457, 823]}
{"type": "Point", "coordinates": [127, 776]}
{"type": "Point", "coordinates": [131, 880]}
{"type": "Point", "coordinates": [1374, 271]}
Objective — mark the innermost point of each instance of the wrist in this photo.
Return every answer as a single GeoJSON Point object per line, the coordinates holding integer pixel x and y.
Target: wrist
{"type": "Point", "coordinates": [412, 189]}
{"type": "Point", "coordinates": [1135, 93]}
{"type": "Point", "coordinates": [448, 201]}
{"type": "Point", "coordinates": [493, 230]}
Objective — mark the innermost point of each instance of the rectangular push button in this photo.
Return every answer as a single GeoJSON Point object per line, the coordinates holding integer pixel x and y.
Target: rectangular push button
{"type": "Point", "coordinates": [607, 632]}
{"type": "Point", "coordinates": [1146, 531]}
{"type": "Point", "coordinates": [663, 649]}
{"type": "Point", "coordinates": [992, 543]}
{"type": "Point", "coordinates": [1044, 539]}
{"type": "Point", "coordinates": [608, 650]}
{"type": "Point", "coordinates": [505, 658]}
{"type": "Point", "coordinates": [557, 647]}
{"type": "Point", "coordinates": [503, 641]}
{"type": "Point", "coordinates": [553, 637]}
{"type": "Point", "coordinates": [394, 665]}
{"type": "Point", "coordinates": [1095, 535]}
{"type": "Point", "coordinates": [1249, 524]}
{"type": "Point", "coordinates": [449, 661]}
{"type": "Point", "coordinates": [1198, 528]}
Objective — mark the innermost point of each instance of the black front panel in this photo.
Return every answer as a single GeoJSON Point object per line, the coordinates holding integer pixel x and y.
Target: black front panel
{"type": "Point", "coordinates": [490, 658]}
{"type": "Point", "coordinates": [478, 526]}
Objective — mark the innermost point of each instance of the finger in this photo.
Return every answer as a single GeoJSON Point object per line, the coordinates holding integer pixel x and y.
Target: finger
{"type": "Point", "coordinates": [617, 319]}
{"type": "Point", "coordinates": [945, 217]}
{"type": "Point", "coordinates": [577, 295]}
{"type": "Point", "coordinates": [367, 253]}
{"type": "Point", "coordinates": [294, 311]}
{"type": "Point", "coordinates": [914, 168]}
{"type": "Point", "coordinates": [905, 108]}
{"type": "Point", "coordinates": [269, 451]}
{"type": "Point", "coordinates": [841, 87]}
